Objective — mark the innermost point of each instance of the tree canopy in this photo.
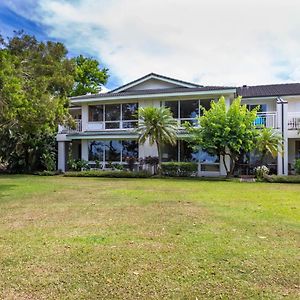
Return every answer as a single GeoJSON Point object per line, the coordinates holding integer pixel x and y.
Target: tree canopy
{"type": "Point", "coordinates": [88, 76]}
{"type": "Point", "coordinates": [225, 131]}
{"type": "Point", "coordinates": [36, 79]}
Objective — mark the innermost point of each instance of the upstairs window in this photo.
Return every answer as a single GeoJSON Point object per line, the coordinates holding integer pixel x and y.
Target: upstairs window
{"type": "Point", "coordinates": [95, 113]}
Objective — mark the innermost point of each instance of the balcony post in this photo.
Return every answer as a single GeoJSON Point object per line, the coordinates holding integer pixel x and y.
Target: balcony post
{"type": "Point", "coordinates": [282, 125]}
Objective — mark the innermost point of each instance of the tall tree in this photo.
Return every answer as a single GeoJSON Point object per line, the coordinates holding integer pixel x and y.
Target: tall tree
{"type": "Point", "coordinates": [158, 126]}
{"type": "Point", "coordinates": [225, 132]}
{"type": "Point", "coordinates": [35, 80]}
{"type": "Point", "coordinates": [88, 76]}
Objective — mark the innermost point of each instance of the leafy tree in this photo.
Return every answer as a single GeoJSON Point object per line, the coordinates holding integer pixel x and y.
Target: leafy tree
{"type": "Point", "coordinates": [88, 76]}
{"type": "Point", "coordinates": [35, 80]}
{"type": "Point", "coordinates": [225, 132]}
{"type": "Point", "coordinates": [158, 126]}
{"type": "Point", "coordinates": [268, 141]}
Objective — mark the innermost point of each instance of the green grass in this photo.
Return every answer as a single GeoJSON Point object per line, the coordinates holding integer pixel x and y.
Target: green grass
{"type": "Point", "coordinates": [100, 238]}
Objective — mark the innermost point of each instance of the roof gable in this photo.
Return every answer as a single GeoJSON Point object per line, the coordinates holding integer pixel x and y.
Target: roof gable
{"type": "Point", "coordinates": [154, 81]}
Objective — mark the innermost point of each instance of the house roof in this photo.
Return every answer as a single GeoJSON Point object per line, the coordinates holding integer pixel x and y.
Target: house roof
{"type": "Point", "coordinates": [135, 82]}
{"type": "Point", "coordinates": [153, 92]}
{"type": "Point", "coordinates": [270, 90]}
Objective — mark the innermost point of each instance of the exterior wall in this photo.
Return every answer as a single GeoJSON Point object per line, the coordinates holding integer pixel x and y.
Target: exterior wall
{"type": "Point", "coordinates": [152, 84]}
{"type": "Point", "coordinates": [147, 150]}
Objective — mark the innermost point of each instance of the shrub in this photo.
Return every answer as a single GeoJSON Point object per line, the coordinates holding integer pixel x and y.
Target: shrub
{"type": "Point", "coordinates": [177, 169]}
{"type": "Point", "coordinates": [261, 172]}
{"type": "Point", "coordinates": [118, 167]}
{"type": "Point", "coordinates": [282, 179]}
{"type": "Point", "coordinates": [109, 174]}
{"type": "Point", "coordinates": [297, 166]}
{"type": "Point", "coordinates": [49, 160]}
{"type": "Point", "coordinates": [48, 173]}
{"type": "Point", "coordinates": [131, 162]}
{"type": "Point", "coordinates": [78, 164]}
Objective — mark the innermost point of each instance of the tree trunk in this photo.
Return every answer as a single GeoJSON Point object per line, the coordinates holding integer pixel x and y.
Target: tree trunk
{"type": "Point", "coordinates": [159, 158]}
{"type": "Point", "coordinates": [224, 162]}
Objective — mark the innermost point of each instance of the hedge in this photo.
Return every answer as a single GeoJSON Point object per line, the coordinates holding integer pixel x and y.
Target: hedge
{"type": "Point", "coordinates": [179, 169]}
{"type": "Point", "coordinates": [109, 174]}
{"type": "Point", "coordinates": [282, 179]}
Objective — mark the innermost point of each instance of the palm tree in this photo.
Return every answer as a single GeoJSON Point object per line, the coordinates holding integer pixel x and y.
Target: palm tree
{"type": "Point", "coordinates": [157, 125]}
{"type": "Point", "coordinates": [269, 141]}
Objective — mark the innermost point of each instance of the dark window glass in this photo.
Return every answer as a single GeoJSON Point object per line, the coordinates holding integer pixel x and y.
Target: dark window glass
{"type": "Point", "coordinates": [205, 103]}
{"type": "Point", "coordinates": [204, 157]}
{"type": "Point", "coordinates": [95, 113]}
{"type": "Point", "coordinates": [129, 111]}
{"type": "Point", "coordinates": [189, 109]}
{"type": "Point", "coordinates": [262, 107]}
{"type": "Point", "coordinates": [96, 150]}
{"type": "Point", "coordinates": [112, 125]}
{"type": "Point", "coordinates": [130, 149]}
{"type": "Point", "coordinates": [170, 153]}
{"type": "Point", "coordinates": [132, 124]}
{"type": "Point", "coordinates": [187, 153]}
{"type": "Point", "coordinates": [113, 151]}
{"type": "Point", "coordinates": [173, 105]}
{"type": "Point", "coordinates": [112, 112]}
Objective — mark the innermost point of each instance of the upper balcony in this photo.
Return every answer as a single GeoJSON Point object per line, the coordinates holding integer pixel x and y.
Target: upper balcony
{"type": "Point", "coordinates": [294, 120]}
{"type": "Point", "coordinates": [67, 129]}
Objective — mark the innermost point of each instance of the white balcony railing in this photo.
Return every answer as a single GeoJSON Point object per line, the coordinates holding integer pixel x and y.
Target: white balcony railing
{"type": "Point", "coordinates": [67, 129]}
{"type": "Point", "coordinates": [266, 119]}
{"type": "Point", "coordinates": [294, 120]}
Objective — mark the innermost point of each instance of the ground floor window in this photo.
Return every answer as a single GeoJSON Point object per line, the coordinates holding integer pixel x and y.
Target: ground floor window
{"type": "Point", "coordinates": [182, 152]}
{"type": "Point", "coordinates": [112, 151]}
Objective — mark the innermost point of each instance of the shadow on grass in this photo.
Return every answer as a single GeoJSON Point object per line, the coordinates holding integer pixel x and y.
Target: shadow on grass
{"type": "Point", "coordinates": [4, 188]}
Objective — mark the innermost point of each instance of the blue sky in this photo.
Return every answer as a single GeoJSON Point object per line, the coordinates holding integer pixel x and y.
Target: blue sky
{"type": "Point", "coordinates": [210, 42]}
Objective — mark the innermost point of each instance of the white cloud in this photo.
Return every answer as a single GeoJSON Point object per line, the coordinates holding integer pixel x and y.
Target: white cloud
{"type": "Point", "coordinates": [228, 42]}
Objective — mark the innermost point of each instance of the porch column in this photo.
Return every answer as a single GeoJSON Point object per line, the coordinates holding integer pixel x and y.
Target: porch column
{"type": "Point", "coordinates": [84, 150]}
{"type": "Point", "coordinates": [61, 165]}
{"type": "Point", "coordinates": [282, 122]}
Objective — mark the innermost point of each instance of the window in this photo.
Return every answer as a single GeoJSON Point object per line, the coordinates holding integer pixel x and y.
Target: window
{"type": "Point", "coordinates": [262, 107]}
{"type": "Point", "coordinates": [112, 116]}
{"type": "Point", "coordinates": [173, 105]}
{"type": "Point", "coordinates": [113, 151]}
{"type": "Point", "coordinates": [129, 149]}
{"type": "Point", "coordinates": [189, 109]}
{"type": "Point", "coordinates": [187, 153]}
{"type": "Point", "coordinates": [129, 115]}
{"type": "Point", "coordinates": [96, 150]}
{"type": "Point", "coordinates": [169, 153]}
{"type": "Point", "coordinates": [96, 113]}
{"type": "Point", "coordinates": [208, 162]}
{"type": "Point", "coordinates": [184, 110]}
{"type": "Point", "coordinates": [205, 103]}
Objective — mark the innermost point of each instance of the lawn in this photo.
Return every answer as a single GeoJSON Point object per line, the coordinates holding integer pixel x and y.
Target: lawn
{"type": "Point", "coordinates": [86, 238]}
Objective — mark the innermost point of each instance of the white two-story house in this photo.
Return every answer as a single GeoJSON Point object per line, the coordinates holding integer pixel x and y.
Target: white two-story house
{"type": "Point", "coordinates": [105, 122]}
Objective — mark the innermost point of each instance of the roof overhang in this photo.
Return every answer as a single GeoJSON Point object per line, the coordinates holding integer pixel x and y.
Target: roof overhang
{"type": "Point", "coordinates": [153, 96]}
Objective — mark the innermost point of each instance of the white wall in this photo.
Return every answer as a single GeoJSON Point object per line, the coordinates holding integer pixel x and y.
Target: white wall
{"type": "Point", "coordinates": [152, 84]}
